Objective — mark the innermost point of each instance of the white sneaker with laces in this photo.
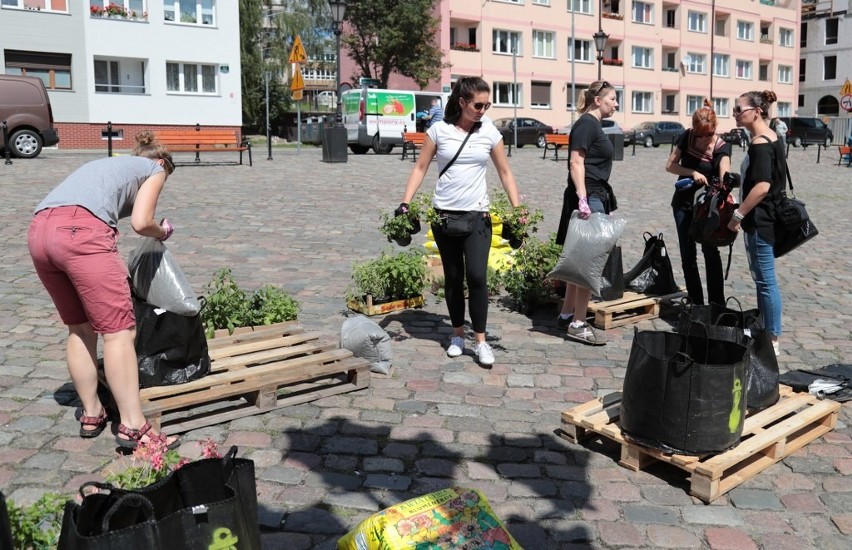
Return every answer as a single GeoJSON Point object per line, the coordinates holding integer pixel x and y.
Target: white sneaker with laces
{"type": "Point", "coordinates": [484, 353]}
{"type": "Point", "coordinates": [456, 346]}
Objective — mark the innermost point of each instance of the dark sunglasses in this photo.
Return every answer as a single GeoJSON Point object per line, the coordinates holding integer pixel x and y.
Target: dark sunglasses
{"type": "Point", "coordinates": [479, 106]}
{"type": "Point", "coordinates": [603, 85]}
{"type": "Point", "coordinates": [739, 110]}
{"type": "Point", "coordinates": [171, 164]}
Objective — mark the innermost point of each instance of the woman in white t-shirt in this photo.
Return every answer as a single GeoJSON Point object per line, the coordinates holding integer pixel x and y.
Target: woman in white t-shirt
{"type": "Point", "coordinates": [463, 143]}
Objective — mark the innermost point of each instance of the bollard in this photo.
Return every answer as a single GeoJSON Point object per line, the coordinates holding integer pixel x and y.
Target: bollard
{"type": "Point", "coordinates": [819, 150]}
{"type": "Point", "coordinates": [633, 154]}
{"type": "Point", "coordinates": [197, 145]}
{"type": "Point", "coordinates": [6, 151]}
{"type": "Point", "coordinates": [109, 138]}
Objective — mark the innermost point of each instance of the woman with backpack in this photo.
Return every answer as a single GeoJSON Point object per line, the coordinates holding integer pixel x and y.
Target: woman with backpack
{"type": "Point", "coordinates": [700, 155]}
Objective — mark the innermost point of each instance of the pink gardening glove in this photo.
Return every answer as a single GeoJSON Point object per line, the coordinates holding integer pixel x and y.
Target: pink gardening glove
{"type": "Point", "coordinates": [167, 227]}
{"type": "Point", "coordinates": [585, 211]}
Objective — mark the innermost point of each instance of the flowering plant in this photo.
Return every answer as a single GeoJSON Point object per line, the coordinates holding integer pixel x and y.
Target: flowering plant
{"type": "Point", "coordinates": [518, 221]}
{"type": "Point", "coordinates": [153, 461]}
{"type": "Point", "coordinates": [115, 9]}
{"type": "Point", "coordinates": [607, 61]}
{"type": "Point", "coordinates": [464, 46]}
{"type": "Point", "coordinates": [96, 11]}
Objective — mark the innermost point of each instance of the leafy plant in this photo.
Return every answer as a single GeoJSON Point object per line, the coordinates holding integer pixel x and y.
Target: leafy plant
{"type": "Point", "coordinates": [526, 279]}
{"type": "Point", "coordinates": [37, 526]}
{"type": "Point", "coordinates": [494, 281]}
{"type": "Point", "coordinates": [400, 228]}
{"type": "Point", "coordinates": [397, 276]}
{"type": "Point", "coordinates": [152, 461]}
{"type": "Point", "coordinates": [518, 221]}
{"type": "Point", "coordinates": [228, 306]}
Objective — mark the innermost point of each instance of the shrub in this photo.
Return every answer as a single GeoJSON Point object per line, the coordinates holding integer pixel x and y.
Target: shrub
{"type": "Point", "coordinates": [390, 276]}
{"type": "Point", "coordinates": [526, 279]}
{"type": "Point", "coordinates": [37, 526]}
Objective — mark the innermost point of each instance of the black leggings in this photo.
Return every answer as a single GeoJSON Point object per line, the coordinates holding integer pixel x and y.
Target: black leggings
{"type": "Point", "coordinates": [466, 258]}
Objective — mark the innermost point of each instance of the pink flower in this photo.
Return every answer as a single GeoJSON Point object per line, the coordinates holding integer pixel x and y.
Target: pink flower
{"type": "Point", "coordinates": [209, 449]}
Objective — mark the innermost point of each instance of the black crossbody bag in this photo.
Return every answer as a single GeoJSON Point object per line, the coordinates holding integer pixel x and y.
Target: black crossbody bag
{"type": "Point", "coordinates": [456, 223]}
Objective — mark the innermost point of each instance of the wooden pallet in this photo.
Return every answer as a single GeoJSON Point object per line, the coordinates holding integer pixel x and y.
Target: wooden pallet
{"type": "Point", "coordinates": [370, 308]}
{"type": "Point", "coordinates": [256, 371]}
{"type": "Point", "coordinates": [631, 308]}
{"type": "Point", "coordinates": [768, 437]}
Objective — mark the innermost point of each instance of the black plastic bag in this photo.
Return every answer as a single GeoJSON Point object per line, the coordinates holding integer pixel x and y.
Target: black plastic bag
{"type": "Point", "coordinates": [5, 528]}
{"type": "Point", "coordinates": [745, 327]}
{"type": "Point", "coordinates": [839, 373]}
{"type": "Point", "coordinates": [209, 503]}
{"type": "Point", "coordinates": [170, 348]}
{"type": "Point", "coordinates": [612, 279]}
{"type": "Point", "coordinates": [653, 273]}
{"type": "Point", "coordinates": [684, 393]}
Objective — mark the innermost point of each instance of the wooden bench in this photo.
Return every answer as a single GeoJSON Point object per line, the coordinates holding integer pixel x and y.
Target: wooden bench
{"type": "Point", "coordinates": [412, 141]}
{"type": "Point", "coordinates": [844, 150]}
{"type": "Point", "coordinates": [553, 142]}
{"type": "Point", "coordinates": [204, 140]}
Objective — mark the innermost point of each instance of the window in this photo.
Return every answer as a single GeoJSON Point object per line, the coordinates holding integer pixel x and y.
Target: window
{"type": "Point", "coordinates": [693, 103]}
{"type": "Point", "coordinates": [120, 75]}
{"type": "Point", "coordinates": [831, 31]}
{"type": "Point", "coordinates": [580, 6]}
{"type": "Point", "coordinates": [190, 78]}
{"type": "Point", "coordinates": [106, 76]}
{"type": "Point", "coordinates": [540, 94]}
{"type": "Point", "coordinates": [744, 69]}
{"type": "Point", "coordinates": [543, 44]}
{"type": "Point", "coordinates": [721, 27]}
{"type": "Point", "coordinates": [670, 63]}
{"type": "Point", "coordinates": [506, 42]}
{"type": "Point", "coordinates": [643, 12]}
{"type": "Point", "coordinates": [785, 74]}
{"type": "Point", "coordinates": [37, 5]}
{"type": "Point", "coordinates": [697, 21]}
{"type": "Point", "coordinates": [671, 18]}
{"type": "Point", "coordinates": [542, 2]}
{"type": "Point", "coordinates": [642, 102]}
{"type": "Point", "coordinates": [512, 1]}
{"type": "Point", "coordinates": [697, 63]}
{"type": "Point", "coordinates": [720, 105]}
{"type": "Point", "coordinates": [193, 12]}
{"type": "Point", "coordinates": [765, 35]}
{"type": "Point", "coordinates": [745, 30]}
{"type": "Point", "coordinates": [128, 9]}
{"type": "Point", "coordinates": [720, 64]}
{"type": "Point", "coordinates": [580, 51]}
{"type": "Point", "coordinates": [54, 69]}
{"type": "Point", "coordinates": [785, 38]}
{"type": "Point", "coordinates": [763, 72]}
{"type": "Point", "coordinates": [643, 58]}
{"type": "Point", "coordinates": [670, 103]}
{"type": "Point", "coordinates": [803, 35]}
{"type": "Point", "coordinates": [802, 69]}
{"type": "Point", "coordinates": [505, 93]}
{"type": "Point", "coordinates": [801, 100]}
{"type": "Point", "coordinates": [784, 108]}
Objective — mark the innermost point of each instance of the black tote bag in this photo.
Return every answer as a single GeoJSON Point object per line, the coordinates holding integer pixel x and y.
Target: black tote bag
{"type": "Point", "coordinates": [737, 325]}
{"type": "Point", "coordinates": [612, 279]}
{"type": "Point", "coordinates": [5, 528]}
{"type": "Point", "coordinates": [209, 503]}
{"type": "Point", "coordinates": [684, 393]}
{"type": "Point", "coordinates": [653, 273]}
{"type": "Point", "coordinates": [170, 348]}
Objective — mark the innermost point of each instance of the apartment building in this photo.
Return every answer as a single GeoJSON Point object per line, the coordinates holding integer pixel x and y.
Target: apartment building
{"type": "Point", "coordinates": [825, 37]}
{"type": "Point", "coordinates": [663, 56]}
{"type": "Point", "coordinates": [138, 64]}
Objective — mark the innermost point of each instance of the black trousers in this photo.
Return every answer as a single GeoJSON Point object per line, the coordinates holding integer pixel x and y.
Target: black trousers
{"type": "Point", "coordinates": [466, 258]}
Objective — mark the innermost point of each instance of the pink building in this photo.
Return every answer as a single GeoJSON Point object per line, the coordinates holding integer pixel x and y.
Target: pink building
{"type": "Point", "coordinates": [664, 57]}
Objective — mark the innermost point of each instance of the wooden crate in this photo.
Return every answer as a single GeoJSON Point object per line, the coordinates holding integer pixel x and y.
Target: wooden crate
{"type": "Point", "coordinates": [380, 309]}
{"type": "Point", "coordinates": [768, 437]}
{"type": "Point", "coordinates": [631, 308]}
{"type": "Point", "coordinates": [254, 371]}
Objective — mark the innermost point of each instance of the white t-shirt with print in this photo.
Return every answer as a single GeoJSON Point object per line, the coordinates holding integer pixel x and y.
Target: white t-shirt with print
{"type": "Point", "coordinates": [463, 187]}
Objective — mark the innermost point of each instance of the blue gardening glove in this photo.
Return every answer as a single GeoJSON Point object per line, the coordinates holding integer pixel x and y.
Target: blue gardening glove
{"type": "Point", "coordinates": [167, 227]}
{"type": "Point", "coordinates": [401, 209]}
{"type": "Point", "coordinates": [585, 211]}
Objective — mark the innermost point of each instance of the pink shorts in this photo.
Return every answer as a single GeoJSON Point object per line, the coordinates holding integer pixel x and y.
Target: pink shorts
{"type": "Point", "coordinates": [76, 258]}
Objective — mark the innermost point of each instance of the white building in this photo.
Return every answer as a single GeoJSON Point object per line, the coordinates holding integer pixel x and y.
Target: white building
{"type": "Point", "coordinates": [148, 64]}
{"type": "Point", "coordinates": [826, 56]}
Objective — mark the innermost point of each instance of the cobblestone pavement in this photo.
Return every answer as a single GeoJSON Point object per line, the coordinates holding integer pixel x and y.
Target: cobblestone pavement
{"type": "Point", "coordinates": [324, 466]}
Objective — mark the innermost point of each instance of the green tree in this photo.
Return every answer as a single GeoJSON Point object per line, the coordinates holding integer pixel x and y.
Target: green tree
{"type": "Point", "coordinates": [252, 66]}
{"type": "Point", "coordinates": [390, 36]}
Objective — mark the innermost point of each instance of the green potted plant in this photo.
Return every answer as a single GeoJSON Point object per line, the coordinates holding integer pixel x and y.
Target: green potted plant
{"type": "Point", "coordinates": [399, 229]}
{"type": "Point", "coordinates": [526, 280]}
{"type": "Point", "coordinates": [394, 280]}
{"type": "Point", "coordinates": [518, 222]}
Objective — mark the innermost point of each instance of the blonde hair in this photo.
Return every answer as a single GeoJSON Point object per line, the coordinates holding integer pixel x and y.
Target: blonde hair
{"type": "Point", "coordinates": [587, 100]}
{"type": "Point", "coordinates": [148, 146]}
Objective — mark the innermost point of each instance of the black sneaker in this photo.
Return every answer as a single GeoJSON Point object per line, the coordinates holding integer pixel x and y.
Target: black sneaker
{"type": "Point", "coordinates": [562, 322]}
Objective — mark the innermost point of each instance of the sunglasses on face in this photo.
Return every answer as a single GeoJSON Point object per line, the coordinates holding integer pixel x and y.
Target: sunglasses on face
{"type": "Point", "coordinates": [739, 110]}
{"type": "Point", "coordinates": [479, 106]}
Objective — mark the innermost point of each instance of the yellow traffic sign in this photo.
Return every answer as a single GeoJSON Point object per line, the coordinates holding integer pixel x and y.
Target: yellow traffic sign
{"type": "Point", "coordinates": [297, 82]}
{"type": "Point", "coordinates": [847, 88]}
{"type": "Point", "coordinates": [297, 54]}
{"type": "Point", "coordinates": [296, 95]}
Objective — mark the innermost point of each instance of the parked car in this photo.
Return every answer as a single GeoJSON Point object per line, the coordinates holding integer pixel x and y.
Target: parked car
{"type": "Point", "coordinates": [735, 136]}
{"type": "Point", "coordinates": [609, 127]}
{"type": "Point", "coordinates": [25, 106]}
{"type": "Point", "coordinates": [807, 131]}
{"type": "Point", "coordinates": [530, 131]}
{"type": "Point", "coordinates": [652, 134]}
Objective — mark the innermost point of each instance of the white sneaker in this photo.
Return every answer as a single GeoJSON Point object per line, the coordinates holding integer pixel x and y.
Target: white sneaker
{"type": "Point", "coordinates": [456, 346]}
{"type": "Point", "coordinates": [484, 354]}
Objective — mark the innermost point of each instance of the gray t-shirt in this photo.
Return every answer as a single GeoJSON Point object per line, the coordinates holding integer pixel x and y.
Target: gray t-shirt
{"type": "Point", "coordinates": [106, 187]}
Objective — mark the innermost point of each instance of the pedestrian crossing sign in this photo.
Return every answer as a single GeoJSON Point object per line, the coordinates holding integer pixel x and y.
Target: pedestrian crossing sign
{"type": "Point", "coordinates": [847, 88]}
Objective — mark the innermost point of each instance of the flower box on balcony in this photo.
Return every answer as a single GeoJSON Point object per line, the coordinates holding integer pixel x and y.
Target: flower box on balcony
{"type": "Point", "coordinates": [610, 15]}
{"type": "Point", "coordinates": [670, 69]}
{"type": "Point", "coordinates": [464, 47]}
{"type": "Point", "coordinates": [617, 62]}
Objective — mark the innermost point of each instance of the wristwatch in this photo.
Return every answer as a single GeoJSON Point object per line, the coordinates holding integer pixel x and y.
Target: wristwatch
{"type": "Point", "coordinates": [738, 216]}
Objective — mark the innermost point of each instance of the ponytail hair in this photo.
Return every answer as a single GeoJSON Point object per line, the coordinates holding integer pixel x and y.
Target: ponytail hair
{"type": "Point", "coordinates": [761, 100]}
{"type": "Point", "coordinates": [704, 119]}
{"type": "Point", "coordinates": [595, 89]}
{"type": "Point", "coordinates": [148, 146]}
{"type": "Point", "coordinates": [466, 87]}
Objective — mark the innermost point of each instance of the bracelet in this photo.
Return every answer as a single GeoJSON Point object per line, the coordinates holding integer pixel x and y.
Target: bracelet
{"type": "Point", "coordinates": [738, 216]}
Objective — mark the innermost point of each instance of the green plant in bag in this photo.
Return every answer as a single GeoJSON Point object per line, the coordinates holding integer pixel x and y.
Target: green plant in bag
{"type": "Point", "coordinates": [37, 526]}
{"type": "Point", "coordinates": [526, 279]}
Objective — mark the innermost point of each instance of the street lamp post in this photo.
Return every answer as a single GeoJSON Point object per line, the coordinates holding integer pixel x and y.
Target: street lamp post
{"type": "Point", "coordinates": [268, 128]}
{"type": "Point", "coordinates": [338, 12]}
{"type": "Point", "coordinates": [600, 45]}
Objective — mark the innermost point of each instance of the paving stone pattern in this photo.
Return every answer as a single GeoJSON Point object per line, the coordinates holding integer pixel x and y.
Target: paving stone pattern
{"type": "Point", "coordinates": [324, 466]}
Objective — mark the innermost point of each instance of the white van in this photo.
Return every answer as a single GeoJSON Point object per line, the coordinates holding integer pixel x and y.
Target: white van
{"type": "Point", "coordinates": [377, 118]}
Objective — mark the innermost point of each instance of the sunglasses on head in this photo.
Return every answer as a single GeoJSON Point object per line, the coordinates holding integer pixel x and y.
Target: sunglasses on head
{"type": "Point", "coordinates": [604, 84]}
{"type": "Point", "coordinates": [171, 164]}
{"type": "Point", "coordinates": [479, 106]}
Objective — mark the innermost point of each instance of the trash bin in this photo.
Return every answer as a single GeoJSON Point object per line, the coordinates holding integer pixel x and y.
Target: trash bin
{"type": "Point", "coordinates": [334, 144]}
{"type": "Point", "coordinates": [617, 141]}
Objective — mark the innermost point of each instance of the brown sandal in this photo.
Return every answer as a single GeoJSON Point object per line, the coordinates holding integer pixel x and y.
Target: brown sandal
{"type": "Point", "coordinates": [99, 422]}
{"type": "Point", "coordinates": [135, 436]}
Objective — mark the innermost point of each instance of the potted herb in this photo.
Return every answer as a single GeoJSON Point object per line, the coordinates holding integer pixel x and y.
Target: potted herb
{"type": "Point", "coordinates": [399, 229]}
{"type": "Point", "coordinates": [395, 281]}
{"type": "Point", "coordinates": [517, 222]}
{"type": "Point", "coordinates": [526, 280]}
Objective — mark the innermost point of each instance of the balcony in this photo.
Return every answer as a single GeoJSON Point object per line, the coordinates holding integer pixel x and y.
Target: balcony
{"type": "Point", "coordinates": [612, 15]}
{"type": "Point", "coordinates": [114, 11]}
{"type": "Point", "coordinates": [764, 39]}
{"type": "Point", "coordinates": [616, 62]}
{"type": "Point", "coordinates": [464, 47]}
